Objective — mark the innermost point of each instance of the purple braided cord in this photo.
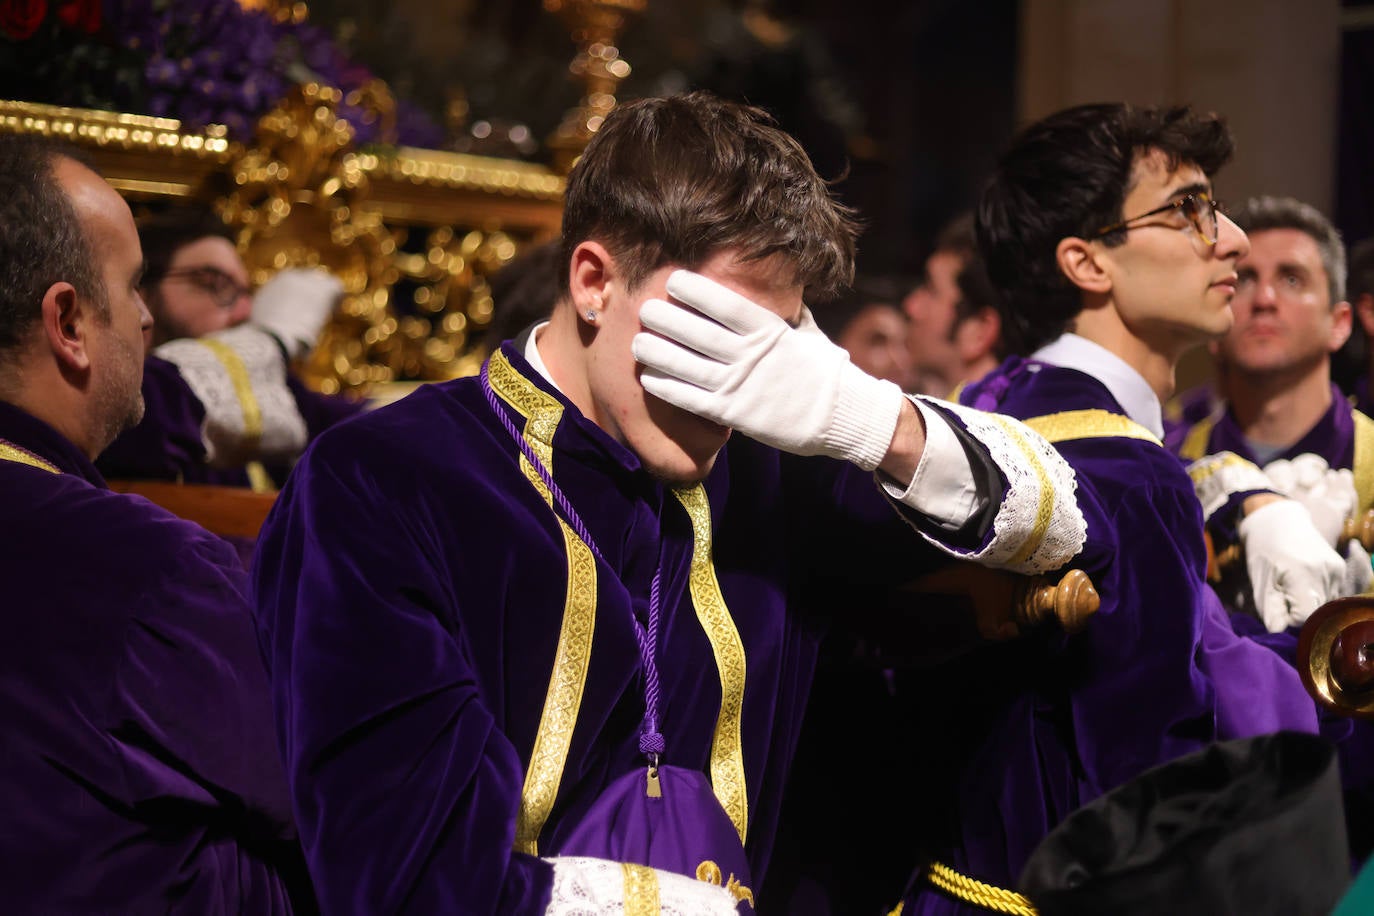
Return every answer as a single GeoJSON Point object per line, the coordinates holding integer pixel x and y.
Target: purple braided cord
{"type": "Point", "coordinates": [651, 741]}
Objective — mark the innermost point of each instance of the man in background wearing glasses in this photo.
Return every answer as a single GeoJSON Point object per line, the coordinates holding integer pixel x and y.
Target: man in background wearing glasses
{"type": "Point", "coordinates": [1279, 407]}
{"type": "Point", "coordinates": [209, 328]}
{"type": "Point", "coordinates": [1100, 232]}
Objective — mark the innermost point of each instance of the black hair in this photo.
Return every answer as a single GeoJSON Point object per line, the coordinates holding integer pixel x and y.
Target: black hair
{"type": "Point", "coordinates": [1068, 176]}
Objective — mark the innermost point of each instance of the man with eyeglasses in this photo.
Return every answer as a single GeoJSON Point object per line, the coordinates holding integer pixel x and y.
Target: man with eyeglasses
{"type": "Point", "coordinates": [209, 329]}
{"type": "Point", "coordinates": [1101, 234]}
{"type": "Point", "coordinates": [1280, 408]}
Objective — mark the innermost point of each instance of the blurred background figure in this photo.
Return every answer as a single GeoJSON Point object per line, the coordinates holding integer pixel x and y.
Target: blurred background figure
{"type": "Point", "coordinates": [931, 310]}
{"type": "Point", "coordinates": [1360, 292]}
{"type": "Point", "coordinates": [523, 292]}
{"type": "Point", "coordinates": [868, 324]}
{"type": "Point", "coordinates": [224, 406]}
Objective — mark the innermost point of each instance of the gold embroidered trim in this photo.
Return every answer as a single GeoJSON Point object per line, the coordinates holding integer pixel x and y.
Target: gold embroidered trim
{"type": "Point", "coordinates": [20, 456]}
{"type": "Point", "coordinates": [259, 481]}
{"type": "Point", "coordinates": [1044, 509]}
{"type": "Point", "coordinates": [1363, 461]}
{"type": "Point", "coordinates": [1089, 424]}
{"type": "Point", "coordinates": [571, 659]}
{"type": "Point", "coordinates": [641, 890]}
{"type": "Point", "coordinates": [727, 751]}
{"type": "Point", "coordinates": [1195, 443]}
{"type": "Point", "coordinates": [1215, 463]}
{"type": "Point", "coordinates": [243, 389]}
{"type": "Point", "coordinates": [970, 890]}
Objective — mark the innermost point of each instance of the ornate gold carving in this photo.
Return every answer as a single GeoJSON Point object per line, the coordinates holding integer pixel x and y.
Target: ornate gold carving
{"type": "Point", "coordinates": [727, 752]}
{"type": "Point", "coordinates": [571, 659]}
{"type": "Point", "coordinates": [141, 156]}
{"type": "Point", "coordinates": [18, 455]}
{"type": "Point", "coordinates": [709, 872]}
{"type": "Point", "coordinates": [595, 25]}
{"type": "Point", "coordinates": [641, 890]}
{"type": "Point", "coordinates": [426, 226]}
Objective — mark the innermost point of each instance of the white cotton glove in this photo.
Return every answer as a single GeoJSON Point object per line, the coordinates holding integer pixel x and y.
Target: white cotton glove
{"type": "Point", "coordinates": [1293, 570]}
{"type": "Point", "coordinates": [295, 305]}
{"type": "Point", "coordinates": [1328, 493]}
{"type": "Point", "coordinates": [585, 886]}
{"type": "Point", "coordinates": [740, 365]}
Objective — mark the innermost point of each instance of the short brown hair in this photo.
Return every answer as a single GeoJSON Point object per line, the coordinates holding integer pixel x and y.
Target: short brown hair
{"type": "Point", "coordinates": [677, 180]}
{"type": "Point", "coordinates": [42, 239]}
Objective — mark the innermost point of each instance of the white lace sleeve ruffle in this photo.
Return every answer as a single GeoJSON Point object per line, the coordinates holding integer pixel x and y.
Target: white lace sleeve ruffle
{"type": "Point", "coordinates": [239, 375]}
{"type": "Point", "coordinates": [1217, 477]}
{"type": "Point", "coordinates": [1038, 526]}
{"type": "Point", "coordinates": [585, 886]}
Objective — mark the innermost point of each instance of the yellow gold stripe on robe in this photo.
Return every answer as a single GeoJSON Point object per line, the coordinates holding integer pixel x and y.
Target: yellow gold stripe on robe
{"type": "Point", "coordinates": [1089, 424]}
{"type": "Point", "coordinates": [641, 890]}
{"type": "Point", "coordinates": [1063, 427]}
{"type": "Point", "coordinates": [1195, 443]}
{"type": "Point", "coordinates": [727, 751]}
{"type": "Point", "coordinates": [571, 659]}
{"type": "Point", "coordinates": [1363, 461]}
{"type": "Point", "coordinates": [19, 456]}
{"type": "Point", "coordinates": [243, 388]}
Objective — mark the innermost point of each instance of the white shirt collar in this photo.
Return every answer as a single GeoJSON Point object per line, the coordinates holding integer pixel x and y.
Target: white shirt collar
{"type": "Point", "coordinates": [1128, 386]}
{"type": "Point", "coordinates": [534, 359]}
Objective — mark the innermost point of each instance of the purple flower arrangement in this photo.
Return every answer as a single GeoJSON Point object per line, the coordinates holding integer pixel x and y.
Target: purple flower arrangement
{"type": "Point", "coordinates": [201, 61]}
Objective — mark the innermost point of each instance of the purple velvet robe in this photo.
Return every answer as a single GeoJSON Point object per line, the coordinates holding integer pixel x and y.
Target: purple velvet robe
{"type": "Point", "coordinates": [167, 444]}
{"type": "Point", "coordinates": [1332, 437]}
{"type": "Point", "coordinates": [1035, 728]}
{"type": "Point", "coordinates": [137, 768]}
{"type": "Point", "coordinates": [411, 585]}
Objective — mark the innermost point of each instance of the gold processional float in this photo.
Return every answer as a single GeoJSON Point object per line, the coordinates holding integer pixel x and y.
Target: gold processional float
{"type": "Point", "coordinates": [393, 222]}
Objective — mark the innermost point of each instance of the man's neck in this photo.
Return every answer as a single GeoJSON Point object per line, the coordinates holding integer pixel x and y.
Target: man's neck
{"type": "Point", "coordinates": [1278, 409]}
{"type": "Point", "coordinates": [1104, 327]}
{"type": "Point", "coordinates": [564, 354]}
{"type": "Point", "coordinates": [44, 394]}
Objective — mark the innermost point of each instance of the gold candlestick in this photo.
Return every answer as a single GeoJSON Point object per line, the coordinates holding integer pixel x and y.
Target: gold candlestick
{"type": "Point", "coordinates": [595, 24]}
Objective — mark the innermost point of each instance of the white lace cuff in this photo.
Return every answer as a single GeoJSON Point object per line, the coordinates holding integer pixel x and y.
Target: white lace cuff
{"type": "Point", "coordinates": [583, 886]}
{"type": "Point", "coordinates": [1038, 526]}
{"type": "Point", "coordinates": [1217, 477]}
{"type": "Point", "coordinates": [239, 375]}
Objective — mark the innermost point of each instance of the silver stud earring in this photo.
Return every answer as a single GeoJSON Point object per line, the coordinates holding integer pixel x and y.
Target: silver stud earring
{"type": "Point", "coordinates": [591, 315]}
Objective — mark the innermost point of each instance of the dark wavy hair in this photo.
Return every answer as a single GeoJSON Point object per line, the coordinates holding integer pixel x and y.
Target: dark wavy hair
{"type": "Point", "coordinates": [42, 240]}
{"type": "Point", "coordinates": [680, 179]}
{"type": "Point", "coordinates": [1067, 176]}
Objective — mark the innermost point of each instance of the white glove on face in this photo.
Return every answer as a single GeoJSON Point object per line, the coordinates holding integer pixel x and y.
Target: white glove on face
{"type": "Point", "coordinates": [295, 305]}
{"type": "Point", "coordinates": [740, 365]}
{"type": "Point", "coordinates": [1293, 570]}
{"type": "Point", "coordinates": [1327, 493]}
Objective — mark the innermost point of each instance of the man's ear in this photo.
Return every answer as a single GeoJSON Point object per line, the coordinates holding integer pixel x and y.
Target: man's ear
{"type": "Point", "coordinates": [1078, 259]}
{"type": "Point", "coordinates": [65, 320]}
{"type": "Point", "coordinates": [1340, 326]}
{"type": "Point", "coordinates": [979, 333]}
{"type": "Point", "coordinates": [592, 276]}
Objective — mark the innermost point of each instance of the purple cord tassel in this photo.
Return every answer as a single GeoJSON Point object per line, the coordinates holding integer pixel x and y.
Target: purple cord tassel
{"type": "Point", "coordinates": [651, 742]}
